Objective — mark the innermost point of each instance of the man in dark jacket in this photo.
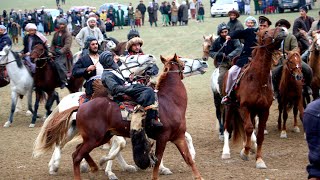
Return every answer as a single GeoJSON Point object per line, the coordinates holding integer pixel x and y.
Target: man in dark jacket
{"type": "Point", "coordinates": [234, 24]}
{"type": "Point", "coordinates": [88, 66]}
{"type": "Point", "coordinates": [60, 47]}
{"type": "Point", "coordinates": [117, 86]}
{"type": "Point", "coordinates": [311, 124]}
{"type": "Point", "coordinates": [142, 8]}
{"type": "Point", "coordinates": [4, 38]}
{"type": "Point", "coordinates": [223, 51]}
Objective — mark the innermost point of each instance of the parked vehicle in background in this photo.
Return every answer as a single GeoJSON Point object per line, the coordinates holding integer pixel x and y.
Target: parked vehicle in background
{"type": "Point", "coordinates": [294, 4]}
{"type": "Point", "coordinates": [222, 7]}
{"type": "Point", "coordinates": [106, 6]}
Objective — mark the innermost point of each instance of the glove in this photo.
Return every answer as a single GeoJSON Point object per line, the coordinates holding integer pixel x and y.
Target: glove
{"type": "Point", "coordinates": [219, 56]}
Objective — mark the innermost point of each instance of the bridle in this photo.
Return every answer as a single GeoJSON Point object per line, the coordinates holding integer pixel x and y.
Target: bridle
{"type": "Point", "coordinates": [4, 64]}
{"type": "Point", "coordinates": [266, 36]}
{"type": "Point", "coordinates": [39, 55]}
{"type": "Point", "coordinates": [179, 70]}
{"type": "Point", "coordinates": [291, 70]}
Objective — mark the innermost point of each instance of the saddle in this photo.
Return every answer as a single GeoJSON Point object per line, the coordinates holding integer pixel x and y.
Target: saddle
{"type": "Point", "coordinates": [4, 77]}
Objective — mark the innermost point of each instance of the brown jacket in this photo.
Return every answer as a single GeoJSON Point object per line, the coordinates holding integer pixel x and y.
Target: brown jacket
{"type": "Point", "coordinates": [138, 14]}
{"type": "Point", "coordinates": [66, 42]}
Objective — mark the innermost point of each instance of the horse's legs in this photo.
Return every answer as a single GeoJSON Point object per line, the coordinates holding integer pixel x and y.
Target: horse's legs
{"type": "Point", "coordinates": [14, 98]}
{"type": "Point", "coordinates": [160, 147]}
{"type": "Point", "coordinates": [217, 103]}
{"type": "Point", "coordinates": [284, 125]}
{"type": "Point", "coordinates": [295, 114]}
{"type": "Point", "coordinates": [181, 144]}
{"type": "Point", "coordinates": [18, 105]}
{"type": "Point", "coordinates": [248, 128]}
{"type": "Point", "coordinates": [280, 108]}
{"type": "Point", "coordinates": [263, 117]}
{"type": "Point", "coordinates": [228, 113]}
{"type": "Point", "coordinates": [55, 160]}
{"type": "Point", "coordinates": [164, 170]}
{"type": "Point", "coordinates": [56, 97]}
{"type": "Point", "coordinates": [49, 103]}
{"type": "Point", "coordinates": [29, 97]}
{"type": "Point", "coordinates": [190, 145]}
{"type": "Point", "coordinates": [36, 106]}
{"type": "Point", "coordinates": [226, 148]}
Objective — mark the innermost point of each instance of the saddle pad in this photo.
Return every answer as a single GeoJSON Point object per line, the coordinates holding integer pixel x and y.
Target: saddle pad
{"type": "Point", "coordinates": [4, 78]}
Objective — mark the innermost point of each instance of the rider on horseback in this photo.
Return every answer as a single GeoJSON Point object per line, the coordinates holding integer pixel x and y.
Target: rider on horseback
{"type": "Point", "coordinates": [60, 47]}
{"type": "Point", "coordinates": [118, 86]}
{"type": "Point", "coordinates": [223, 51]}
{"type": "Point", "coordinates": [249, 37]}
{"type": "Point", "coordinates": [4, 38]}
{"type": "Point", "coordinates": [29, 41]}
{"type": "Point", "coordinates": [290, 44]}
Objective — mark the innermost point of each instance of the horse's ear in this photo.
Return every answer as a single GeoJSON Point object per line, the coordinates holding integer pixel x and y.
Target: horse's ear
{"type": "Point", "coordinates": [204, 37]}
{"type": "Point", "coordinates": [175, 56]}
{"type": "Point", "coordinates": [163, 60]}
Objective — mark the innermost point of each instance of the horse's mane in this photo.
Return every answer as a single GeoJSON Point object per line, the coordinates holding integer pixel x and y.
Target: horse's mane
{"type": "Point", "coordinates": [18, 59]}
{"type": "Point", "coordinates": [164, 74]}
{"type": "Point", "coordinates": [119, 47]}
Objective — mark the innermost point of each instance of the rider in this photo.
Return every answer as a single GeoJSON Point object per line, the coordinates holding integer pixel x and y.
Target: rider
{"type": "Point", "coordinates": [90, 30]}
{"type": "Point", "coordinates": [223, 51]}
{"type": "Point", "coordinates": [4, 38]}
{"type": "Point", "coordinates": [315, 27]}
{"type": "Point", "coordinates": [29, 41]}
{"type": "Point", "coordinates": [234, 24]}
{"type": "Point", "coordinates": [290, 44]}
{"type": "Point", "coordinates": [114, 81]}
{"type": "Point", "coordinates": [88, 66]}
{"type": "Point", "coordinates": [249, 37]}
{"type": "Point", "coordinates": [60, 47]}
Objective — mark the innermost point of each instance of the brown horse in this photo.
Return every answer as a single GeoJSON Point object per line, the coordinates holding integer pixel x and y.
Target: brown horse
{"type": "Point", "coordinates": [290, 91]}
{"type": "Point", "coordinates": [46, 80]}
{"type": "Point", "coordinates": [120, 48]}
{"type": "Point", "coordinates": [208, 40]}
{"type": "Point", "coordinates": [254, 95]}
{"type": "Point", "coordinates": [314, 63]}
{"type": "Point", "coordinates": [97, 125]}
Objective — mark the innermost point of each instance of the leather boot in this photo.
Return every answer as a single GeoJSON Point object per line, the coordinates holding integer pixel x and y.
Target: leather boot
{"type": "Point", "coordinates": [151, 119]}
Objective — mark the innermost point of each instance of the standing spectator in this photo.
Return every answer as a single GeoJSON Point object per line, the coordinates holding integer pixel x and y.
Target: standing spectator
{"type": "Point", "coordinates": [111, 17]}
{"type": "Point", "coordinates": [151, 14]}
{"type": "Point", "coordinates": [201, 13]}
{"type": "Point", "coordinates": [192, 7]}
{"type": "Point", "coordinates": [13, 31]}
{"type": "Point", "coordinates": [169, 12]}
{"type": "Point", "coordinates": [155, 6]}
{"type": "Point", "coordinates": [174, 14]}
{"type": "Point", "coordinates": [247, 7]}
{"type": "Point", "coordinates": [5, 18]}
{"type": "Point", "coordinates": [46, 21]}
{"type": "Point", "coordinates": [131, 16]}
{"type": "Point", "coordinates": [275, 4]}
{"type": "Point", "coordinates": [60, 9]}
{"type": "Point", "coordinates": [212, 2]}
{"type": "Point", "coordinates": [164, 11]}
{"type": "Point", "coordinates": [142, 8]}
{"type": "Point", "coordinates": [63, 2]}
{"type": "Point", "coordinates": [311, 125]}
{"type": "Point", "coordinates": [234, 24]}
{"type": "Point", "coordinates": [57, 2]}
{"type": "Point", "coordinates": [103, 15]}
{"type": "Point", "coordinates": [183, 11]}
{"type": "Point", "coordinates": [119, 17]}
{"type": "Point", "coordinates": [138, 17]}
{"type": "Point", "coordinates": [240, 6]}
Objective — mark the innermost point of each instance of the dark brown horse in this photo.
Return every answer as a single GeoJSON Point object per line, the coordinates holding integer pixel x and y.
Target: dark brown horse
{"type": "Point", "coordinates": [314, 63]}
{"type": "Point", "coordinates": [254, 96]}
{"type": "Point", "coordinates": [46, 79]}
{"type": "Point", "coordinates": [99, 119]}
{"type": "Point", "coordinates": [290, 91]}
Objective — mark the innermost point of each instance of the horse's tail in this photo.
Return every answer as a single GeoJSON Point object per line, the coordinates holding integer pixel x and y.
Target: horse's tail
{"type": "Point", "coordinates": [235, 122]}
{"type": "Point", "coordinates": [53, 131]}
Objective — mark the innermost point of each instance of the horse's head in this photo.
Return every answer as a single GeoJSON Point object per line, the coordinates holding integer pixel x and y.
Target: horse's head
{"type": "Point", "coordinates": [293, 64]}
{"type": "Point", "coordinates": [316, 40]}
{"type": "Point", "coordinates": [38, 51]}
{"type": "Point", "coordinates": [173, 64]}
{"type": "Point", "coordinates": [208, 40]}
{"type": "Point", "coordinates": [194, 66]}
{"type": "Point", "coordinates": [272, 38]}
{"type": "Point", "coordinates": [4, 53]}
{"type": "Point", "coordinates": [136, 64]}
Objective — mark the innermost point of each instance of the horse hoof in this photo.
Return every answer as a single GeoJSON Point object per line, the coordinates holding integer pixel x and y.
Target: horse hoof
{"type": "Point", "coordinates": [243, 155]}
{"type": "Point", "coordinates": [28, 113]}
{"type": "Point", "coordinates": [260, 164]}
{"type": "Point", "coordinates": [84, 168]}
{"type": "Point", "coordinates": [165, 171]}
{"type": "Point", "coordinates": [53, 170]}
{"type": "Point", "coordinates": [7, 124]}
{"type": "Point", "coordinates": [221, 137]}
{"type": "Point", "coordinates": [254, 149]}
{"type": "Point", "coordinates": [130, 168]}
{"type": "Point", "coordinates": [32, 125]}
{"type": "Point", "coordinates": [17, 111]}
{"type": "Point", "coordinates": [265, 132]}
{"type": "Point", "coordinates": [283, 134]}
{"type": "Point", "coordinates": [111, 176]}
{"type": "Point", "coordinates": [105, 146]}
{"type": "Point", "coordinates": [102, 161]}
{"type": "Point", "coordinates": [296, 129]}
{"type": "Point", "coordinates": [226, 156]}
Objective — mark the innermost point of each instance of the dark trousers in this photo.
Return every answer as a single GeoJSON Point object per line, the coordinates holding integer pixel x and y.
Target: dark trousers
{"type": "Point", "coordinates": [60, 63]}
{"type": "Point", "coordinates": [142, 19]}
{"type": "Point", "coordinates": [143, 95]}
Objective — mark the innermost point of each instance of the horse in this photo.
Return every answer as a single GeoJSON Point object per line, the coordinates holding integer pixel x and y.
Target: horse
{"type": "Point", "coordinates": [206, 45]}
{"type": "Point", "coordinates": [192, 67]}
{"type": "Point", "coordinates": [46, 80]}
{"type": "Point", "coordinates": [314, 63]}
{"type": "Point", "coordinates": [290, 91]}
{"type": "Point", "coordinates": [254, 96]}
{"type": "Point", "coordinates": [21, 80]}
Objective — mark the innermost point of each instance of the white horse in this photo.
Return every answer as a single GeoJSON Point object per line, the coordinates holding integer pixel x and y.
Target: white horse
{"type": "Point", "coordinates": [21, 81]}
{"type": "Point", "coordinates": [64, 112]}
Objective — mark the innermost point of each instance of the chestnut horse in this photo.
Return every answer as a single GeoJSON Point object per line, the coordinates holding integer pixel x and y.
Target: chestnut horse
{"type": "Point", "coordinates": [254, 96]}
{"type": "Point", "coordinates": [46, 79]}
{"type": "Point", "coordinates": [97, 125]}
{"type": "Point", "coordinates": [290, 91]}
{"type": "Point", "coordinates": [206, 45]}
{"type": "Point", "coordinates": [314, 63]}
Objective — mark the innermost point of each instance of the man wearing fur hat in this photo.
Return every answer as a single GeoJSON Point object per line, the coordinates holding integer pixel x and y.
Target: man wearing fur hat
{"type": "Point", "coordinates": [223, 51]}
{"type": "Point", "coordinates": [60, 47]}
{"type": "Point", "coordinates": [234, 24]}
{"type": "Point", "coordinates": [300, 28]}
{"type": "Point", "coordinates": [29, 41]}
{"type": "Point", "coordinates": [90, 30]}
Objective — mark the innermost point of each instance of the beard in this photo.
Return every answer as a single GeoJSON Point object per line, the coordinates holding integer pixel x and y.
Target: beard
{"type": "Point", "coordinates": [91, 51]}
